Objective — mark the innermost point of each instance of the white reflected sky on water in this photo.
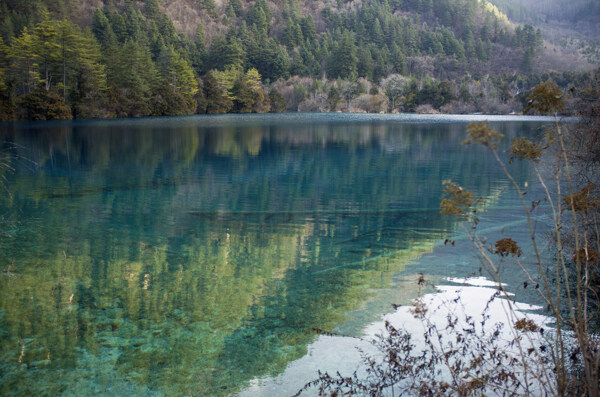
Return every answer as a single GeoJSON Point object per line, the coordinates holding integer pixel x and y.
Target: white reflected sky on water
{"type": "Point", "coordinates": [339, 353]}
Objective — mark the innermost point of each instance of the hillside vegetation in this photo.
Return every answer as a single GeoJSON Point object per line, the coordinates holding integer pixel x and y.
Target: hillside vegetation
{"type": "Point", "coordinates": [93, 58]}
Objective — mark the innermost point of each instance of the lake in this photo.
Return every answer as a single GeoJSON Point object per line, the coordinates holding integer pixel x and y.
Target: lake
{"type": "Point", "coordinates": [194, 255]}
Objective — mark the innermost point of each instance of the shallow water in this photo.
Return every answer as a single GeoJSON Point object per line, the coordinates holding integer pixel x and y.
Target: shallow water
{"type": "Point", "coordinates": [189, 256]}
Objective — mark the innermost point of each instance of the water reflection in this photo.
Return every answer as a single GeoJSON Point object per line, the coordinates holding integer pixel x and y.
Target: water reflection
{"type": "Point", "coordinates": [191, 255]}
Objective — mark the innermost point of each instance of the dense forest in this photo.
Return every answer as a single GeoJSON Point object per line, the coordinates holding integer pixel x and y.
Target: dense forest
{"type": "Point", "coordinates": [62, 59]}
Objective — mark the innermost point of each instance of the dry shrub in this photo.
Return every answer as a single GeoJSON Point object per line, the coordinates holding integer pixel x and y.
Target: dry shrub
{"type": "Point", "coordinates": [316, 102]}
{"type": "Point", "coordinates": [426, 109]}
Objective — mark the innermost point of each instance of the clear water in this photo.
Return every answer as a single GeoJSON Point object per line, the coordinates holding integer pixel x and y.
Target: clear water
{"type": "Point", "coordinates": [188, 256]}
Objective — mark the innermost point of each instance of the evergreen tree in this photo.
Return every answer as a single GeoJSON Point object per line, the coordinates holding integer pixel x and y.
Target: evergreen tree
{"type": "Point", "coordinates": [377, 35]}
{"type": "Point", "coordinates": [3, 65]}
{"type": "Point", "coordinates": [217, 101]}
{"type": "Point", "coordinates": [343, 60]}
{"type": "Point", "coordinates": [199, 55]}
{"type": "Point", "coordinates": [102, 29]}
{"type": "Point", "coordinates": [365, 63]}
{"type": "Point", "coordinates": [133, 77]}
{"type": "Point", "coordinates": [178, 73]}
{"type": "Point", "coordinates": [276, 101]}
{"type": "Point", "coordinates": [226, 52]}
{"type": "Point", "coordinates": [257, 20]}
{"type": "Point", "coordinates": [309, 31]}
{"type": "Point", "coordinates": [398, 59]}
{"type": "Point", "coordinates": [117, 23]}
{"type": "Point", "coordinates": [24, 63]}
{"type": "Point", "coordinates": [210, 7]}
{"type": "Point", "coordinates": [480, 51]}
{"type": "Point", "coordinates": [248, 93]}
{"type": "Point", "coordinates": [46, 47]}
{"type": "Point", "coordinates": [152, 8]}
{"type": "Point", "coordinates": [527, 62]}
{"type": "Point", "coordinates": [237, 7]}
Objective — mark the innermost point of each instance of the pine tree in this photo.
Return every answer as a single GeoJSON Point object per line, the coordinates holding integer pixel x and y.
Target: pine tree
{"type": "Point", "coordinates": [277, 102]}
{"type": "Point", "coordinates": [365, 63]}
{"type": "Point", "coordinates": [47, 47]}
{"type": "Point", "coordinates": [226, 52]}
{"type": "Point", "coordinates": [134, 76]}
{"type": "Point", "coordinates": [199, 55]}
{"type": "Point", "coordinates": [24, 62]}
{"type": "Point", "coordinates": [226, 80]}
{"type": "Point", "coordinates": [3, 65]}
{"type": "Point", "coordinates": [237, 7]}
{"type": "Point", "coordinates": [178, 73]}
{"type": "Point", "coordinates": [343, 60]}
{"type": "Point", "coordinates": [216, 100]}
{"type": "Point", "coordinates": [102, 29]}
{"type": "Point", "coordinates": [249, 94]}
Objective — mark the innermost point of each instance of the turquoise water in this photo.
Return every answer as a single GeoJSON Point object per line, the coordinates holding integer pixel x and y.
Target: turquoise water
{"type": "Point", "coordinates": [188, 256]}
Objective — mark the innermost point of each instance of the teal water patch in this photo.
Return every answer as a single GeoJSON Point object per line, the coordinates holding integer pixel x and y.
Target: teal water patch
{"type": "Point", "coordinates": [188, 256]}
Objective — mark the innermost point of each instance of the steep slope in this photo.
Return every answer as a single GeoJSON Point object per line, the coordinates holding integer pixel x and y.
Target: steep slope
{"type": "Point", "coordinates": [536, 11]}
{"type": "Point", "coordinates": [572, 28]}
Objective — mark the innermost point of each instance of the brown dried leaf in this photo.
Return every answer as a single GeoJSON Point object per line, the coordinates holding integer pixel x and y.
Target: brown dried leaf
{"type": "Point", "coordinates": [483, 134]}
{"type": "Point", "coordinates": [507, 246]}
{"type": "Point", "coordinates": [582, 200]}
{"type": "Point", "coordinates": [457, 201]}
{"type": "Point", "coordinates": [524, 149]}
{"type": "Point", "coordinates": [526, 325]}
{"type": "Point", "coordinates": [546, 98]}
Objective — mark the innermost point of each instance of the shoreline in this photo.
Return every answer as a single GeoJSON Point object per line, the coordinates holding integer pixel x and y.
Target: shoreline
{"type": "Point", "coordinates": [303, 116]}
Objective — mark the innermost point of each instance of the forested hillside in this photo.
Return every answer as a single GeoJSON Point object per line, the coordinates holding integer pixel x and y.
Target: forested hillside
{"type": "Point", "coordinates": [572, 26]}
{"type": "Point", "coordinates": [576, 11]}
{"type": "Point", "coordinates": [126, 58]}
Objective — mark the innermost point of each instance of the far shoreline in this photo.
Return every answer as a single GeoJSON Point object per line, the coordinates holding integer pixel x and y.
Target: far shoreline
{"type": "Point", "coordinates": [216, 119]}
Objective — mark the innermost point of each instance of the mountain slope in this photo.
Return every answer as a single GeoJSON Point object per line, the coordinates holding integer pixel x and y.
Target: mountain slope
{"type": "Point", "coordinates": [148, 55]}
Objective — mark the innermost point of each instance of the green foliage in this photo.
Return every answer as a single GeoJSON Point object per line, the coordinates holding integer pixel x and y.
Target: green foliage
{"type": "Point", "coordinates": [333, 97]}
{"type": "Point", "coordinates": [177, 72]}
{"type": "Point", "coordinates": [23, 65]}
{"type": "Point", "coordinates": [102, 29]}
{"type": "Point", "coordinates": [169, 101]}
{"type": "Point", "coordinates": [248, 94]}
{"type": "Point", "coordinates": [217, 99]}
{"type": "Point", "coordinates": [269, 59]}
{"type": "Point", "coordinates": [226, 51]}
{"type": "Point", "coordinates": [46, 47]}
{"type": "Point", "coordinates": [237, 7]}
{"type": "Point", "coordinates": [277, 102]}
{"type": "Point", "coordinates": [43, 105]}
{"type": "Point", "coordinates": [343, 60]}
{"type": "Point", "coordinates": [371, 40]}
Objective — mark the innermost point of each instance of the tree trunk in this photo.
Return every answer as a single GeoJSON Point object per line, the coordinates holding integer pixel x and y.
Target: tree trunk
{"type": "Point", "coordinates": [64, 67]}
{"type": "Point", "coordinates": [47, 73]}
